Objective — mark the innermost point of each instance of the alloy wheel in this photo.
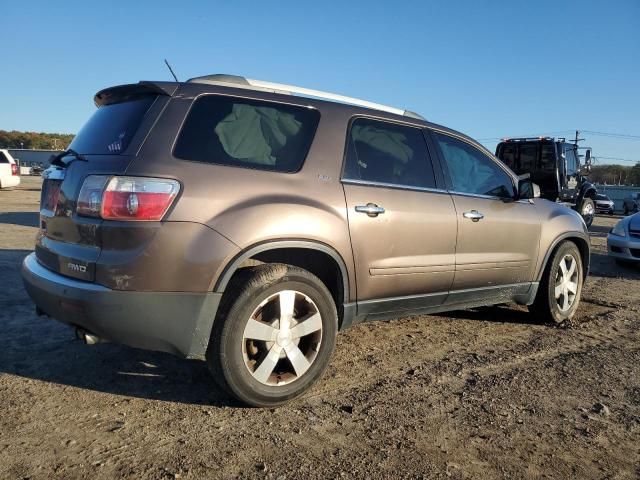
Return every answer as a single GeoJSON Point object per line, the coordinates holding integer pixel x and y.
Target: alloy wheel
{"type": "Point", "coordinates": [566, 283]}
{"type": "Point", "coordinates": [282, 337]}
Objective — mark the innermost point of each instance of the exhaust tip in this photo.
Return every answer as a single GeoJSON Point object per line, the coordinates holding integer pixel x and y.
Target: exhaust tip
{"type": "Point", "coordinates": [88, 338]}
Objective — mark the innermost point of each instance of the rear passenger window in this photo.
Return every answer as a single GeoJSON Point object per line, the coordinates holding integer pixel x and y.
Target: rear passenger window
{"type": "Point", "coordinates": [247, 133]}
{"type": "Point", "coordinates": [383, 152]}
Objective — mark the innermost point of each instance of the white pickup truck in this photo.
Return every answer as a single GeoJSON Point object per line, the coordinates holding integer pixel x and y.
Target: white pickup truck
{"type": "Point", "coordinates": [9, 170]}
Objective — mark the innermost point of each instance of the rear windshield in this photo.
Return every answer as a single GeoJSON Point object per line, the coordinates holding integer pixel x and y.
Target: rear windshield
{"type": "Point", "coordinates": [111, 128]}
{"type": "Point", "coordinates": [247, 133]}
{"type": "Point", "coordinates": [524, 157]}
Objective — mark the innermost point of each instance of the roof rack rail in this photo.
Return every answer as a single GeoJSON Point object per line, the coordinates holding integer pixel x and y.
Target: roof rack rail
{"type": "Point", "coordinates": [242, 82]}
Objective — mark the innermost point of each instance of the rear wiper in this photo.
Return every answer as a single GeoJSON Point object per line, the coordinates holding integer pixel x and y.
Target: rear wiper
{"type": "Point", "coordinates": [57, 160]}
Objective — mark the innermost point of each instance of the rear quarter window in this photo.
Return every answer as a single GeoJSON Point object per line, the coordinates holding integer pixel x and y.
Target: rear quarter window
{"type": "Point", "coordinates": [247, 133]}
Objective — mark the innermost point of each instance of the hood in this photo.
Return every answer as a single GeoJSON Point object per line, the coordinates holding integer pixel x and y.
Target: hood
{"type": "Point", "coordinates": [634, 223]}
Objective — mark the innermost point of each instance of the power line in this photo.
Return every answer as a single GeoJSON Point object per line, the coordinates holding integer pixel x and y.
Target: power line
{"type": "Point", "coordinates": [613, 135]}
{"type": "Point", "coordinates": [546, 134]}
{"type": "Point", "coordinates": [623, 136]}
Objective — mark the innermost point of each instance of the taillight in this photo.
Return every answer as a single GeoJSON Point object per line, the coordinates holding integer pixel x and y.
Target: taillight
{"type": "Point", "coordinates": [14, 169]}
{"type": "Point", "coordinates": [126, 198]}
{"type": "Point", "coordinates": [90, 198]}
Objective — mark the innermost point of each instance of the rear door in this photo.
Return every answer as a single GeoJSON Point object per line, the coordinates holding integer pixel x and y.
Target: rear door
{"type": "Point", "coordinates": [401, 220]}
{"type": "Point", "coordinates": [497, 242]}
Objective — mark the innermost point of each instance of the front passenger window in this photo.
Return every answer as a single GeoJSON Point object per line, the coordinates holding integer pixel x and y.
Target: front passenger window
{"type": "Point", "coordinates": [471, 171]}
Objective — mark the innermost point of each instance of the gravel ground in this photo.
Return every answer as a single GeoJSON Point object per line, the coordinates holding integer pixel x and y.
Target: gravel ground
{"type": "Point", "coordinates": [483, 393]}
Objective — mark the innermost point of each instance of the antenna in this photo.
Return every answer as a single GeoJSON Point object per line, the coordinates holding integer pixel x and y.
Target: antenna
{"type": "Point", "coordinates": [171, 70]}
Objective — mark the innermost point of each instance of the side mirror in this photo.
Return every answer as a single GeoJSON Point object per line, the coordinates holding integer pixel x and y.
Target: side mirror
{"type": "Point", "coordinates": [528, 189]}
{"type": "Point", "coordinates": [587, 157]}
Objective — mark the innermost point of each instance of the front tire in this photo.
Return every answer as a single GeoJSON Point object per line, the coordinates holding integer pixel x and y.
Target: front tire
{"type": "Point", "coordinates": [587, 210]}
{"type": "Point", "coordinates": [559, 291]}
{"type": "Point", "coordinates": [274, 336]}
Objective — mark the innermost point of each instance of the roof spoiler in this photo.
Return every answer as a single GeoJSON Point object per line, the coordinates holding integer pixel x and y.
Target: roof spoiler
{"type": "Point", "coordinates": [131, 91]}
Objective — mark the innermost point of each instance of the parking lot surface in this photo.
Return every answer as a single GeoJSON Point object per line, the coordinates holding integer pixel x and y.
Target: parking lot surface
{"type": "Point", "coordinates": [483, 393]}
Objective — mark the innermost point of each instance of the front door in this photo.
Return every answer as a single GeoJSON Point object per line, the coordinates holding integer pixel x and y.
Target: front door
{"type": "Point", "coordinates": [498, 236]}
{"type": "Point", "coordinates": [403, 228]}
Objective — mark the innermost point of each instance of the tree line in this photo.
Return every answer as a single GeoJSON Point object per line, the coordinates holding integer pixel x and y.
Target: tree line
{"type": "Point", "coordinates": [35, 140]}
{"type": "Point", "coordinates": [615, 174]}
{"type": "Point", "coordinates": [602, 174]}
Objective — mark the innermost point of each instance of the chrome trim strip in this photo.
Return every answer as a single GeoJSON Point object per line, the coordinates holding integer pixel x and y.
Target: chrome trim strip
{"type": "Point", "coordinates": [32, 265]}
{"type": "Point", "coordinates": [422, 189]}
{"type": "Point", "coordinates": [477, 195]}
{"type": "Point", "coordinates": [392, 185]}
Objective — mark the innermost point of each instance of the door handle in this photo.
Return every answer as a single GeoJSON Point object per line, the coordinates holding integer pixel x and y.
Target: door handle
{"type": "Point", "coordinates": [370, 209]}
{"type": "Point", "coordinates": [473, 215]}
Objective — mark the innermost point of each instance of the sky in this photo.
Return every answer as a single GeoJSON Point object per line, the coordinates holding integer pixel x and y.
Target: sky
{"type": "Point", "coordinates": [487, 68]}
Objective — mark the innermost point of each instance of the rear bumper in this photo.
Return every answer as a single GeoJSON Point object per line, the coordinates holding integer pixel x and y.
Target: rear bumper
{"type": "Point", "coordinates": [623, 248]}
{"type": "Point", "coordinates": [174, 322]}
{"type": "Point", "coordinates": [8, 181]}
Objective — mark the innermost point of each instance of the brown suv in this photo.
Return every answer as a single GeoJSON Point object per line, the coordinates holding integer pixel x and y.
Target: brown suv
{"type": "Point", "coordinates": [229, 219]}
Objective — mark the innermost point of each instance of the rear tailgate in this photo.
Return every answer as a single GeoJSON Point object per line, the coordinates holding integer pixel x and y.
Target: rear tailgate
{"type": "Point", "coordinates": [68, 243]}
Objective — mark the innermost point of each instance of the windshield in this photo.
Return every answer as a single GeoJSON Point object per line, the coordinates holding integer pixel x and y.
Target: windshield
{"type": "Point", "coordinates": [111, 128]}
{"type": "Point", "coordinates": [602, 197]}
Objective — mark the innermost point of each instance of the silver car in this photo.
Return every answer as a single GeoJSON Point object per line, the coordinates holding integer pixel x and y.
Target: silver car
{"type": "Point", "coordinates": [604, 204]}
{"type": "Point", "coordinates": [623, 241]}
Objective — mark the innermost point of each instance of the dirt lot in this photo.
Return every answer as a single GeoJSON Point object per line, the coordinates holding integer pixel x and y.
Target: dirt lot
{"type": "Point", "coordinates": [484, 393]}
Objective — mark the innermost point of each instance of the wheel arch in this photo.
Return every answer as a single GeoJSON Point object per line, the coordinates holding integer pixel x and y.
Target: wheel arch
{"type": "Point", "coordinates": [582, 244]}
{"type": "Point", "coordinates": [293, 252]}
{"type": "Point", "coordinates": [587, 190]}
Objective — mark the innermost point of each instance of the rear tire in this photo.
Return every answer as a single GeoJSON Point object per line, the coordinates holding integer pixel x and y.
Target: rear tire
{"type": "Point", "coordinates": [263, 355]}
{"type": "Point", "coordinates": [559, 291]}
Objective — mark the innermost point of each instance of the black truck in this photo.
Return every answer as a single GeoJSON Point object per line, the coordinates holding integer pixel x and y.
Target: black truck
{"type": "Point", "coordinates": [553, 164]}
